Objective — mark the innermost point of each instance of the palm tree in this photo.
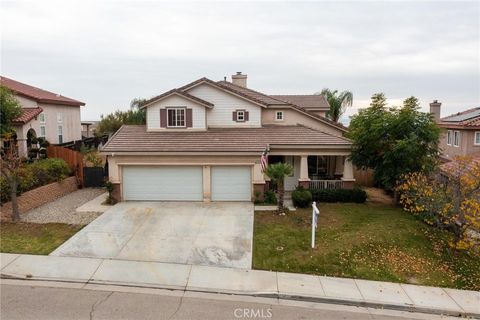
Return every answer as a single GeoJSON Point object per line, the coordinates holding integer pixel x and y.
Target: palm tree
{"type": "Point", "coordinates": [277, 172]}
{"type": "Point", "coordinates": [338, 102]}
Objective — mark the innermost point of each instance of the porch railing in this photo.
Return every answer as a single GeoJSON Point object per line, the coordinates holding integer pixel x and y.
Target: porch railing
{"type": "Point", "coordinates": [326, 184]}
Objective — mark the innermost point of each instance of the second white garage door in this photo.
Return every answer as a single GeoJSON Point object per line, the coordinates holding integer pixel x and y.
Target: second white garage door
{"type": "Point", "coordinates": [231, 183]}
{"type": "Point", "coordinates": [167, 183]}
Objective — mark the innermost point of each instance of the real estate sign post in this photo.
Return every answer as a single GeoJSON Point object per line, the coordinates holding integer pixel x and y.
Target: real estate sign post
{"type": "Point", "coordinates": [315, 213]}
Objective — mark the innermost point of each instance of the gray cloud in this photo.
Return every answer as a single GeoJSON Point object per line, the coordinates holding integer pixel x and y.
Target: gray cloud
{"type": "Point", "coordinates": [106, 53]}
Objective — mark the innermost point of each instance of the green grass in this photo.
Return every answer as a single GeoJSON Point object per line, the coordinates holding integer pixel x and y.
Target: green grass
{"type": "Point", "coordinates": [33, 238]}
{"type": "Point", "coordinates": [367, 241]}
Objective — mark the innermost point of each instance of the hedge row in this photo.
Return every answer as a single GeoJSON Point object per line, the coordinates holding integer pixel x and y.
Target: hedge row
{"type": "Point", "coordinates": [302, 198]}
{"type": "Point", "coordinates": [36, 174]}
{"type": "Point", "coordinates": [356, 195]}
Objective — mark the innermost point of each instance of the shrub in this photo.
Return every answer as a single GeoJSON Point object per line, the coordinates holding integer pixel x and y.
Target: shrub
{"type": "Point", "coordinates": [301, 198]}
{"type": "Point", "coordinates": [356, 195]}
{"type": "Point", "coordinates": [110, 199]}
{"type": "Point", "coordinates": [35, 175]}
{"type": "Point", "coordinates": [270, 197]}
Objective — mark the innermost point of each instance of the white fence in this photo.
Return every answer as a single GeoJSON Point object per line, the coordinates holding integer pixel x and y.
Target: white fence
{"type": "Point", "coordinates": [326, 184]}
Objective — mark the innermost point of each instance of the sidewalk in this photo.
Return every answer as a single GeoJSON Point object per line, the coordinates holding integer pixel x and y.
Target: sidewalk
{"type": "Point", "coordinates": [288, 286]}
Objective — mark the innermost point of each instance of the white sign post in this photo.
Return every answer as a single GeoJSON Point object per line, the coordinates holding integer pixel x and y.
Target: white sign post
{"type": "Point", "coordinates": [315, 213]}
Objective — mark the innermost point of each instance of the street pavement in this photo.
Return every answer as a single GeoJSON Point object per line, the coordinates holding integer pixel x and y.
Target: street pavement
{"type": "Point", "coordinates": [23, 299]}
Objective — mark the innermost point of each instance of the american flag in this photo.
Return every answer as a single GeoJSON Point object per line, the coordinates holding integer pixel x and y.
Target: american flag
{"type": "Point", "coordinates": [264, 160]}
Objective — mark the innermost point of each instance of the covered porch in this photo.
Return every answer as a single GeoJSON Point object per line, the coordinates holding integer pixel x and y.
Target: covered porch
{"type": "Point", "coordinates": [313, 168]}
{"type": "Point", "coordinates": [317, 171]}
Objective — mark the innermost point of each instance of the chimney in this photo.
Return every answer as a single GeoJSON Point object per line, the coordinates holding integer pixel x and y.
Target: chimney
{"type": "Point", "coordinates": [240, 79]}
{"type": "Point", "coordinates": [435, 110]}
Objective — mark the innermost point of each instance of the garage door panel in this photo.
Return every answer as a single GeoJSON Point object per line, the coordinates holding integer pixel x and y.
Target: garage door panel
{"type": "Point", "coordinates": [231, 183]}
{"type": "Point", "coordinates": [176, 183]}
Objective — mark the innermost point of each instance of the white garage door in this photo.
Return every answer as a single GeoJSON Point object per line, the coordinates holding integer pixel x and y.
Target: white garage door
{"type": "Point", "coordinates": [231, 184]}
{"type": "Point", "coordinates": [163, 183]}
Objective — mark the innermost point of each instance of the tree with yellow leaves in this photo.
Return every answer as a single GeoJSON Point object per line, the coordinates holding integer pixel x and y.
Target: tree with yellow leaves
{"type": "Point", "coordinates": [448, 200]}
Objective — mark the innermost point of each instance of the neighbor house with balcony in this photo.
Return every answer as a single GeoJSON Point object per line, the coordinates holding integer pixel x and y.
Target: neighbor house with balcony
{"type": "Point", "coordinates": [203, 142]}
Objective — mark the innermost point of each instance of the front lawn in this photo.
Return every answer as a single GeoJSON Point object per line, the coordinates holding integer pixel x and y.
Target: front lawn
{"type": "Point", "coordinates": [367, 241]}
{"type": "Point", "coordinates": [34, 238]}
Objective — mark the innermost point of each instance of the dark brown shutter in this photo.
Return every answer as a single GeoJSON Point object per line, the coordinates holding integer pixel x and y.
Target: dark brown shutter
{"type": "Point", "coordinates": [246, 115]}
{"type": "Point", "coordinates": [189, 118]}
{"type": "Point", "coordinates": [163, 118]}
{"type": "Point", "coordinates": [234, 116]}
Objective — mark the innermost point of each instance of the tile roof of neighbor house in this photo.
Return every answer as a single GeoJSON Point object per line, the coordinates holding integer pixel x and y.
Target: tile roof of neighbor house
{"type": "Point", "coordinates": [38, 94]}
{"type": "Point", "coordinates": [135, 138]}
{"type": "Point", "coordinates": [306, 101]}
{"type": "Point", "coordinates": [469, 119]}
{"type": "Point", "coordinates": [452, 167]}
{"type": "Point", "coordinates": [27, 115]}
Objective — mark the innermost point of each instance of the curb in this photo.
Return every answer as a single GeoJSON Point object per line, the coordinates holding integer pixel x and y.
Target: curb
{"type": "Point", "coordinates": [274, 295]}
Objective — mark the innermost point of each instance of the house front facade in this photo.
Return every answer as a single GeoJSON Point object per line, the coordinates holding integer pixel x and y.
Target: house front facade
{"type": "Point", "coordinates": [44, 114]}
{"type": "Point", "coordinates": [461, 132]}
{"type": "Point", "coordinates": [203, 142]}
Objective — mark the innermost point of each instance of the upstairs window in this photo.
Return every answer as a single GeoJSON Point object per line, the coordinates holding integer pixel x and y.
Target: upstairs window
{"type": "Point", "coordinates": [41, 117]}
{"type": "Point", "coordinates": [449, 137]}
{"type": "Point", "coordinates": [476, 139]}
{"type": "Point", "coordinates": [176, 117]}
{"type": "Point", "coordinates": [279, 115]}
{"type": "Point", "coordinates": [240, 115]}
{"type": "Point", "coordinates": [456, 138]}
{"type": "Point", "coordinates": [43, 131]}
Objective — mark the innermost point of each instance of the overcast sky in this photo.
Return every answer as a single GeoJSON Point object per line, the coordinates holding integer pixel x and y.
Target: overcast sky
{"type": "Point", "coordinates": [106, 53]}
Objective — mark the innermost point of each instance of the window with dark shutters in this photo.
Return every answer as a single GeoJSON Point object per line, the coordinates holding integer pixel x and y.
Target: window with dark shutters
{"type": "Point", "coordinates": [163, 118]}
{"type": "Point", "coordinates": [189, 119]}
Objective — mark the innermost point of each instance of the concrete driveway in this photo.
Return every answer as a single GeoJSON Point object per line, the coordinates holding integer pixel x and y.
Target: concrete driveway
{"type": "Point", "coordinates": [218, 233]}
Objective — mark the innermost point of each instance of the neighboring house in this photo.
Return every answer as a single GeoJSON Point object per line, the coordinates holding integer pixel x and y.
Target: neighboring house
{"type": "Point", "coordinates": [461, 136]}
{"type": "Point", "coordinates": [44, 114]}
{"type": "Point", "coordinates": [203, 142]}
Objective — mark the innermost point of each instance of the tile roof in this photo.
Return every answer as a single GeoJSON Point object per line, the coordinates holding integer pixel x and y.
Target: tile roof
{"type": "Point", "coordinates": [251, 94]}
{"type": "Point", "coordinates": [38, 94]}
{"type": "Point", "coordinates": [134, 138]}
{"type": "Point", "coordinates": [452, 166]}
{"type": "Point", "coordinates": [27, 115]}
{"type": "Point", "coordinates": [180, 93]}
{"type": "Point", "coordinates": [306, 101]}
{"type": "Point", "coordinates": [469, 119]}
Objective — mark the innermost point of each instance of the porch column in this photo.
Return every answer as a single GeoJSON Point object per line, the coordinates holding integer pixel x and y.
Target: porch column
{"type": "Point", "coordinates": [348, 179]}
{"type": "Point", "coordinates": [338, 166]}
{"type": "Point", "coordinates": [304, 180]}
{"type": "Point", "coordinates": [258, 182]}
{"type": "Point", "coordinates": [206, 184]}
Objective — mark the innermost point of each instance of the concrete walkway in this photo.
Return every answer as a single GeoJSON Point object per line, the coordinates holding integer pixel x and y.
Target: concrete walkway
{"type": "Point", "coordinates": [287, 286]}
{"type": "Point", "coordinates": [95, 205]}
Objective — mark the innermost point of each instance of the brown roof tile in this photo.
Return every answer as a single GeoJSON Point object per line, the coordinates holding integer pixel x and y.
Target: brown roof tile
{"type": "Point", "coordinates": [38, 94]}
{"type": "Point", "coordinates": [131, 138]}
{"type": "Point", "coordinates": [27, 115]}
{"type": "Point", "coordinates": [306, 101]}
{"type": "Point", "coordinates": [179, 92]}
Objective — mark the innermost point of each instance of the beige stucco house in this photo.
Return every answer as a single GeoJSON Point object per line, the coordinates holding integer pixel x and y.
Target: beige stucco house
{"type": "Point", "coordinates": [461, 132]}
{"type": "Point", "coordinates": [44, 114]}
{"type": "Point", "coordinates": [203, 142]}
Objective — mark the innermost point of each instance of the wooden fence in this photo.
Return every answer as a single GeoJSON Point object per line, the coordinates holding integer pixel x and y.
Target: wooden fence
{"type": "Point", "coordinates": [73, 158]}
{"type": "Point", "coordinates": [363, 177]}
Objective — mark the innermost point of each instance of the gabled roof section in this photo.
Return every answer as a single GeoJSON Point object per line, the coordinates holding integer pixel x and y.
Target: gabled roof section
{"type": "Point", "coordinates": [468, 119]}
{"type": "Point", "coordinates": [178, 93]}
{"type": "Point", "coordinates": [251, 94]}
{"type": "Point", "coordinates": [134, 138]}
{"type": "Point", "coordinates": [38, 94]}
{"type": "Point", "coordinates": [28, 114]}
{"type": "Point", "coordinates": [306, 101]}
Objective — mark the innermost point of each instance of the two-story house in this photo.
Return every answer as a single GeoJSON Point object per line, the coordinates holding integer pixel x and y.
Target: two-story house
{"type": "Point", "coordinates": [461, 132]}
{"type": "Point", "coordinates": [204, 140]}
{"type": "Point", "coordinates": [44, 114]}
